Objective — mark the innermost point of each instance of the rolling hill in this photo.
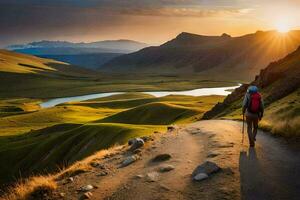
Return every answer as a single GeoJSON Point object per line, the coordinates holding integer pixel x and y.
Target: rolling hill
{"type": "Point", "coordinates": [215, 57]}
{"type": "Point", "coordinates": [31, 76]}
{"type": "Point", "coordinates": [280, 86]}
{"type": "Point", "coordinates": [153, 113]}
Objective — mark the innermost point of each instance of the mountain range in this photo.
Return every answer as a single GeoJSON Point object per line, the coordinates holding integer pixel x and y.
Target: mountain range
{"type": "Point", "coordinates": [216, 57]}
{"type": "Point", "coordinates": [89, 55]}
{"type": "Point", "coordinates": [55, 47]}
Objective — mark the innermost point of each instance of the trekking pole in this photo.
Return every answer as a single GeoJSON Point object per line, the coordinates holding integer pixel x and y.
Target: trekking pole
{"type": "Point", "coordinates": [243, 131]}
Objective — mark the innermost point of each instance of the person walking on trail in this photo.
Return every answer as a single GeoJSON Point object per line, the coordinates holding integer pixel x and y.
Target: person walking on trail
{"type": "Point", "coordinates": [253, 108]}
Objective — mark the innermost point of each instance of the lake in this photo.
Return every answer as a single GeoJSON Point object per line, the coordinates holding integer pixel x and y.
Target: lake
{"type": "Point", "coordinates": [196, 92]}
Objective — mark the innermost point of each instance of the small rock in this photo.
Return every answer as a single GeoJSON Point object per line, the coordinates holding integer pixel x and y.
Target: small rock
{"type": "Point", "coordinates": [171, 128]}
{"type": "Point", "coordinates": [86, 188]}
{"type": "Point", "coordinates": [62, 194]}
{"type": "Point", "coordinates": [129, 160]}
{"type": "Point", "coordinates": [166, 168]}
{"type": "Point", "coordinates": [207, 167]}
{"type": "Point", "coordinates": [152, 176]}
{"type": "Point", "coordinates": [103, 173]}
{"type": "Point", "coordinates": [139, 176]}
{"type": "Point", "coordinates": [200, 177]}
{"type": "Point", "coordinates": [161, 157]}
{"type": "Point", "coordinates": [136, 143]}
{"type": "Point", "coordinates": [87, 195]}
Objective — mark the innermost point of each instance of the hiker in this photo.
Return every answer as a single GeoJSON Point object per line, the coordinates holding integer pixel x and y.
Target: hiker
{"type": "Point", "coordinates": [253, 108]}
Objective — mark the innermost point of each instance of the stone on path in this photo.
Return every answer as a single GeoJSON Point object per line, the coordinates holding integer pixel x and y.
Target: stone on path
{"type": "Point", "coordinates": [205, 169]}
{"type": "Point", "coordinates": [129, 160]}
{"type": "Point", "coordinates": [200, 177]}
{"type": "Point", "coordinates": [166, 168]}
{"type": "Point", "coordinates": [86, 188]}
{"type": "Point", "coordinates": [136, 143]}
{"type": "Point", "coordinates": [161, 157]}
{"type": "Point", "coordinates": [152, 176]}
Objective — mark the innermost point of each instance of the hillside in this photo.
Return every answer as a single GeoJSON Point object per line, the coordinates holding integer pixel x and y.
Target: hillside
{"type": "Point", "coordinates": [31, 76]}
{"type": "Point", "coordinates": [280, 86]}
{"type": "Point", "coordinates": [153, 113]}
{"type": "Point", "coordinates": [216, 57]}
{"type": "Point", "coordinates": [11, 62]}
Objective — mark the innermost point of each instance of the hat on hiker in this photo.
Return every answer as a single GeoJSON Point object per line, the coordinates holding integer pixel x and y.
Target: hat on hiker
{"type": "Point", "coordinates": [252, 89]}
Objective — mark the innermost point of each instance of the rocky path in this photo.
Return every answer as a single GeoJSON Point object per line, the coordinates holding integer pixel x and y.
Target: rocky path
{"type": "Point", "coordinates": [181, 151]}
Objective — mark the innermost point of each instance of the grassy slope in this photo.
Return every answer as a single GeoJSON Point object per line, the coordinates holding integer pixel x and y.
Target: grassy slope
{"type": "Point", "coordinates": [60, 145]}
{"type": "Point", "coordinates": [153, 113]}
{"type": "Point", "coordinates": [281, 117]}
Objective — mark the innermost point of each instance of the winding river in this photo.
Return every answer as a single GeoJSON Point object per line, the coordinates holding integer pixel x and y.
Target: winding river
{"type": "Point", "coordinates": [196, 92]}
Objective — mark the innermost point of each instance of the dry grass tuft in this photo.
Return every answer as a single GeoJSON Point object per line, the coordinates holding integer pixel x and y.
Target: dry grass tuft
{"type": "Point", "coordinates": [40, 187]}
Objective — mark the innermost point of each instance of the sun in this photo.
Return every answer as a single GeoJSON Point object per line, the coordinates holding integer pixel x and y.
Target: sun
{"type": "Point", "coordinates": [283, 27]}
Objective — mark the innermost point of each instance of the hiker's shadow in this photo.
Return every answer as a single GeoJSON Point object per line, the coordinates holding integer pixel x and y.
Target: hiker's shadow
{"type": "Point", "coordinates": [252, 181]}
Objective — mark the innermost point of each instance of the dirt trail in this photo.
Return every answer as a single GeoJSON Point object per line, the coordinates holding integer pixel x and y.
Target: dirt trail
{"type": "Point", "coordinates": [242, 174]}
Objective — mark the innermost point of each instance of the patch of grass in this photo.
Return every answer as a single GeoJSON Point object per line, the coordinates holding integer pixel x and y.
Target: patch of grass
{"type": "Point", "coordinates": [153, 113]}
{"type": "Point", "coordinates": [19, 124]}
{"type": "Point", "coordinates": [32, 188]}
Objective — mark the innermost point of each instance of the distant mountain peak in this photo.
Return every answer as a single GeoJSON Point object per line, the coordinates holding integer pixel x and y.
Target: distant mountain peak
{"type": "Point", "coordinates": [226, 35]}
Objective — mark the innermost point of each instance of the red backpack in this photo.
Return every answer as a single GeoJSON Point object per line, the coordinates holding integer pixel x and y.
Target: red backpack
{"type": "Point", "coordinates": [255, 100]}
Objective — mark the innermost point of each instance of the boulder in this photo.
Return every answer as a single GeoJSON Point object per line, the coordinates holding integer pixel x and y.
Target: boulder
{"type": "Point", "coordinates": [207, 167]}
{"type": "Point", "coordinates": [161, 157]}
{"type": "Point", "coordinates": [200, 177]}
{"type": "Point", "coordinates": [136, 143]}
{"type": "Point", "coordinates": [166, 168]}
{"type": "Point", "coordinates": [129, 160]}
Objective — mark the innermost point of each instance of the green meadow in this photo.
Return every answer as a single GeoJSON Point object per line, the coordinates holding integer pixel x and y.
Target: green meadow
{"type": "Point", "coordinates": [35, 140]}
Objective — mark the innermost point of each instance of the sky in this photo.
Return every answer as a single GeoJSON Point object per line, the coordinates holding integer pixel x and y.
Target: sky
{"type": "Point", "coordinates": [150, 21]}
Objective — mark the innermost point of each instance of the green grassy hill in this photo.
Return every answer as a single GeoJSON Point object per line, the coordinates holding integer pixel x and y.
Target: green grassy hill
{"type": "Point", "coordinates": [280, 87]}
{"type": "Point", "coordinates": [153, 113]}
{"type": "Point", "coordinates": [35, 140]}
